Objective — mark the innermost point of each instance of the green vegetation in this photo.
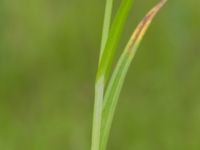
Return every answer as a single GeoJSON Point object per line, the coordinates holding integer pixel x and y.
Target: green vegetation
{"type": "Point", "coordinates": [105, 105]}
{"type": "Point", "coordinates": [49, 53]}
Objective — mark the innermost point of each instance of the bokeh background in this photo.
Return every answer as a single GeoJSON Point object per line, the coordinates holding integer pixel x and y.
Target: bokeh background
{"type": "Point", "coordinates": [48, 58]}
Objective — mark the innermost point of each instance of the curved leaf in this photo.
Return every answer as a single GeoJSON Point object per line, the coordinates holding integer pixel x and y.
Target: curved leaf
{"type": "Point", "coordinates": [118, 77]}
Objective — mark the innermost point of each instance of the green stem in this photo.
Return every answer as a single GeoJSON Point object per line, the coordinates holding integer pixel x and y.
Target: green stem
{"type": "Point", "coordinates": [106, 26]}
{"type": "Point", "coordinates": [99, 90]}
{"type": "Point", "coordinates": [99, 85]}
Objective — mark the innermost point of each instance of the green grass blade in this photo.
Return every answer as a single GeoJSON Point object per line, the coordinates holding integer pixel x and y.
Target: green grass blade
{"type": "Point", "coordinates": [113, 39]}
{"type": "Point", "coordinates": [108, 42]}
{"type": "Point", "coordinates": [99, 85]}
{"type": "Point", "coordinates": [118, 77]}
{"type": "Point", "coordinates": [106, 26]}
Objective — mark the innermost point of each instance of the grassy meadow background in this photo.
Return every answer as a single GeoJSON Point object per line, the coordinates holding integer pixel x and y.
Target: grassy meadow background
{"type": "Point", "coordinates": [48, 58]}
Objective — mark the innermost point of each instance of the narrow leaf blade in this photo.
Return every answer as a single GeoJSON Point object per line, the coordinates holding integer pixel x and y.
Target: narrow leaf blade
{"type": "Point", "coordinates": [106, 26]}
{"type": "Point", "coordinates": [109, 42]}
{"type": "Point", "coordinates": [99, 85]}
{"type": "Point", "coordinates": [118, 77]}
{"type": "Point", "coordinates": [113, 39]}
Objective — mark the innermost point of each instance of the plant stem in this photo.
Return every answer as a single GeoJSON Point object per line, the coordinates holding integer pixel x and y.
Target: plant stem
{"type": "Point", "coordinates": [99, 85]}
{"type": "Point", "coordinates": [106, 26]}
{"type": "Point", "coordinates": [99, 90]}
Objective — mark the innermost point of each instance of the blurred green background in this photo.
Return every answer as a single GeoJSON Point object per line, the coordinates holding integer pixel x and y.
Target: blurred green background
{"type": "Point", "coordinates": [48, 58]}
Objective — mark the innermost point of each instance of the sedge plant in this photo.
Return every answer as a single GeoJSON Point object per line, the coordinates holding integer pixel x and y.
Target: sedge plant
{"type": "Point", "coordinates": [107, 91]}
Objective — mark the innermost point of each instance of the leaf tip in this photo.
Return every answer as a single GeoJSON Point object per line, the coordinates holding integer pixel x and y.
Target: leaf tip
{"type": "Point", "coordinates": [144, 24]}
